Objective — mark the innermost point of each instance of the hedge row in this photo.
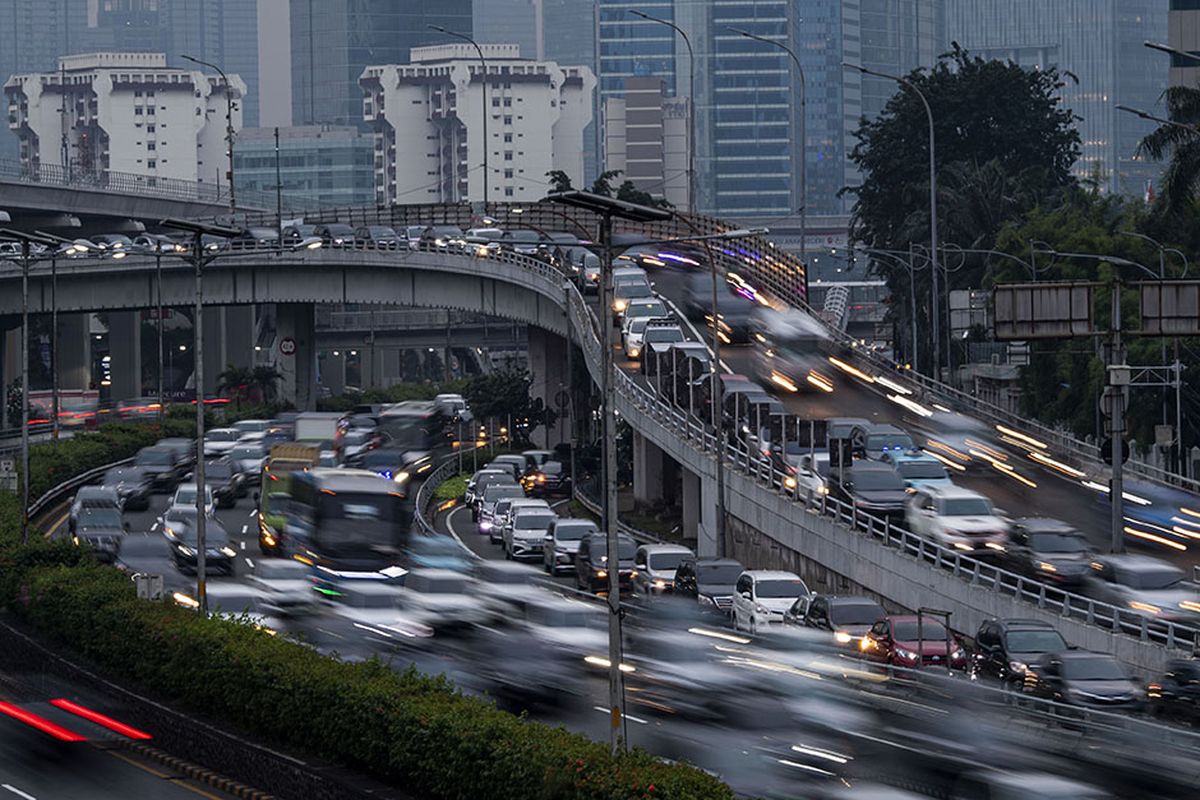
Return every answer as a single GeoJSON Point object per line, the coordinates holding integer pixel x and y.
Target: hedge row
{"type": "Point", "coordinates": [407, 729]}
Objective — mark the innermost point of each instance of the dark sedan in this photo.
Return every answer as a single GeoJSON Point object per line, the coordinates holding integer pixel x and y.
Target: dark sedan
{"type": "Point", "coordinates": [179, 528]}
{"type": "Point", "coordinates": [133, 486]}
{"type": "Point", "coordinates": [709, 580]}
{"type": "Point", "coordinates": [335, 234]}
{"type": "Point", "coordinates": [225, 480]}
{"type": "Point", "coordinates": [1085, 679]}
{"type": "Point", "coordinates": [1004, 648]}
{"type": "Point", "coordinates": [1048, 550]}
{"type": "Point", "coordinates": [255, 239]}
{"type": "Point", "coordinates": [871, 486]}
{"type": "Point", "coordinates": [1177, 694]}
{"type": "Point", "coordinates": [101, 529]}
{"type": "Point", "coordinates": [552, 478]}
{"type": "Point", "coordinates": [162, 466]}
{"type": "Point", "coordinates": [847, 618]}
{"type": "Point", "coordinates": [378, 237]}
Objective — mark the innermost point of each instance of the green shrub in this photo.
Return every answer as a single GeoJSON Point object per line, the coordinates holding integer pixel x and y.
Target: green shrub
{"type": "Point", "coordinates": [403, 728]}
{"type": "Point", "coordinates": [452, 488]}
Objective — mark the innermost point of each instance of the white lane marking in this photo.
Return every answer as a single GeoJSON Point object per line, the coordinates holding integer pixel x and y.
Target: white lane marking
{"type": "Point", "coordinates": [604, 710]}
{"type": "Point", "coordinates": [695, 331]}
{"type": "Point", "coordinates": [249, 563]}
{"type": "Point", "coordinates": [18, 792]}
{"type": "Point", "coordinates": [253, 511]}
{"type": "Point", "coordinates": [331, 633]}
{"type": "Point", "coordinates": [245, 528]}
{"type": "Point", "coordinates": [154, 527]}
{"type": "Point", "coordinates": [454, 533]}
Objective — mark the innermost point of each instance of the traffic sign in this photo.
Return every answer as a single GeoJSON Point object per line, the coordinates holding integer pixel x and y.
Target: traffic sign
{"type": "Point", "coordinates": [287, 346]}
{"type": "Point", "coordinates": [1106, 451]}
{"type": "Point", "coordinates": [562, 399]}
{"type": "Point", "coordinates": [8, 466]}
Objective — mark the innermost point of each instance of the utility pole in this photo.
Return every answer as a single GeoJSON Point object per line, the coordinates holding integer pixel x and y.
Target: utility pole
{"type": "Point", "coordinates": [1116, 490]}
{"type": "Point", "coordinates": [228, 124]}
{"type": "Point", "coordinates": [278, 191]}
{"type": "Point", "coordinates": [54, 404]}
{"type": "Point", "coordinates": [162, 405]}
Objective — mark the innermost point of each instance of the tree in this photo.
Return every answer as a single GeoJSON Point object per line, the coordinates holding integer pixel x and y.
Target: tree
{"type": "Point", "coordinates": [236, 382]}
{"type": "Point", "coordinates": [504, 396]}
{"type": "Point", "coordinates": [264, 380]}
{"type": "Point", "coordinates": [603, 183]}
{"type": "Point", "coordinates": [631, 194]}
{"type": "Point", "coordinates": [1181, 180]}
{"type": "Point", "coordinates": [559, 181]}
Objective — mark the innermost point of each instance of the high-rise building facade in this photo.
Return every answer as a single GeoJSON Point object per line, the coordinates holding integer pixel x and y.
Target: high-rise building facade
{"type": "Point", "coordinates": [333, 41]}
{"type": "Point", "coordinates": [516, 22]}
{"type": "Point", "coordinates": [1183, 33]}
{"type": "Point", "coordinates": [124, 112]}
{"type": "Point", "coordinates": [320, 166]}
{"type": "Point", "coordinates": [1098, 45]}
{"type": "Point", "coordinates": [646, 138]}
{"type": "Point", "coordinates": [428, 118]}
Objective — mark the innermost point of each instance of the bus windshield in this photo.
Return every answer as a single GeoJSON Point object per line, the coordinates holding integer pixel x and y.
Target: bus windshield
{"type": "Point", "coordinates": [412, 431]}
{"type": "Point", "coordinates": [351, 521]}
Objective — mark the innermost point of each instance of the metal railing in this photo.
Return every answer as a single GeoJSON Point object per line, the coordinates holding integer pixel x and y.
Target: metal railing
{"type": "Point", "coordinates": [54, 496]}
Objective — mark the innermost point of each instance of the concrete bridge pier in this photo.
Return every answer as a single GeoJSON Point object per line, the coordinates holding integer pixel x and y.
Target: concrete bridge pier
{"type": "Point", "coordinates": [228, 340]}
{"type": "Point", "coordinates": [333, 371]}
{"type": "Point", "coordinates": [74, 356]}
{"type": "Point", "coordinates": [10, 366]}
{"type": "Point", "coordinates": [648, 484]}
{"type": "Point", "coordinates": [296, 345]}
{"type": "Point", "coordinates": [125, 354]}
{"type": "Point", "coordinates": [548, 377]}
{"type": "Point", "coordinates": [700, 512]}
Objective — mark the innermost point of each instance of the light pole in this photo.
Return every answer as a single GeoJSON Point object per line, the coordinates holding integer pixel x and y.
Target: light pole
{"type": "Point", "coordinates": [228, 123]}
{"type": "Point", "coordinates": [278, 191]}
{"type": "Point", "coordinates": [1146, 115]}
{"type": "Point", "coordinates": [487, 175]}
{"type": "Point", "coordinates": [803, 133]}
{"type": "Point", "coordinates": [691, 103]}
{"type": "Point", "coordinates": [933, 217]}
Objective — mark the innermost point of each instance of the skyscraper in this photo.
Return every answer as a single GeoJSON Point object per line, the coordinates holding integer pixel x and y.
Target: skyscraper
{"type": "Point", "coordinates": [334, 40]}
{"type": "Point", "coordinates": [516, 22]}
{"type": "Point", "coordinates": [1099, 43]}
{"type": "Point", "coordinates": [1184, 34]}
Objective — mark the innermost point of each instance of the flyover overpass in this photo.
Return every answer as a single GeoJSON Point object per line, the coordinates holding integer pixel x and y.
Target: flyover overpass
{"type": "Point", "coordinates": [835, 548]}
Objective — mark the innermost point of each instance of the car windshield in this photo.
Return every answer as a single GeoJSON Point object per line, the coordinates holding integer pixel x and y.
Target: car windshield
{"type": "Point", "coordinates": [187, 494]}
{"type": "Point", "coordinates": [1164, 577]}
{"type": "Point", "coordinates": [877, 480]}
{"type": "Point", "coordinates": [918, 470]}
{"type": "Point", "coordinates": [665, 560]}
{"type": "Point", "coordinates": [854, 613]}
{"type": "Point", "coordinates": [356, 437]}
{"type": "Point", "coordinates": [889, 441]}
{"type": "Point", "coordinates": [966, 507]}
{"type": "Point", "coordinates": [220, 470]}
{"type": "Point", "coordinates": [1058, 543]}
{"type": "Point", "coordinates": [931, 631]}
{"type": "Point", "coordinates": [552, 468]}
{"type": "Point", "coordinates": [1040, 641]}
{"type": "Point", "coordinates": [494, 493]}
{"type": "Point", "coordinates": [1093, 668]}
{"type": "Point", "coordinates": [527, 522]}
{"type": "Point", "coordinates": [633, 290]}
{"type": "Point", "coordinates": [626, 548]}
{"type": "Point", "coordinates": [382, 458]}
{"type": "Point", "coordinates": [155, 458]}
{"type": "Point", "coordinates": [659, 335]}
{"type": "Point", "coordinates": [718, 573]}
{"type": "Point", "coordinates": [791, 587]}
{"type": "Point", "coordinates": [573, 532]}
{"type": "Point", "coordinates": [647, 309]}
{"type": "Point", "coordinates": [100, 518]}
{"type": "Point", "coordinates": [638, 324]}
{"type": "Point", "coordinates": [246, 452]}
{"type": "Point", "coordinates": [222, 436]}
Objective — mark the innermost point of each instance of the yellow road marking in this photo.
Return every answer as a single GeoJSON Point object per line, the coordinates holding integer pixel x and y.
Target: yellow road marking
{"type": "Point", "coordinates": [57, 524]}
{"type": "Point", "coordinates": [164, 775]}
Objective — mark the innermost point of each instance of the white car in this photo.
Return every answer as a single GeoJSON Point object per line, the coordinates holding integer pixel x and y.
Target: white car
{"type": "Point", "coordinates": [502, 518]}
{"type": "Point", "coordinates": [810, 474]}
{"type": "Point", "coordinates": [441, 598]}
{"type": "Point", "coordinates": [579, 628]}
{"type": "Point", "coordinates": [287, 586]}
{"type": "Point", "coordinates": [656, 565]}
{"type": "Point", "coordinates": [220, 441]}
{"type": "Point", "coordinates": [643, 331]}
{"type": "Point", "coordinates": [185, 496]}
{"type": "Point", "coordinates": [956, 518]}
{"type": "Point", "coordinates": [374, 609]}
{"type": "Point", "coordinates": [252, 426]}
{"type": "Point", "coordinates": [524, 538]}
{"type": "Point", "coordinates": [761, 596]}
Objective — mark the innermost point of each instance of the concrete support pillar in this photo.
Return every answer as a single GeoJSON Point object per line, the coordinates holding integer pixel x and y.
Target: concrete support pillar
{"type": "Point", "coordinates": [700, 512]}
{"type": "Point", "coordinates": [125, 350]}
{"type": "Point", "coordinates": [239, 335]}
{"type": "Point", "coordinates": [548, 376]}
{"type": "Point", "coordinates": [295, 342]}
{"type": "Point", "coordinates": [647, 470]}
{"type": "Point", "coordinates": [215, 354]}
{"type": "Point", "coordinates": [10, 370]}
{"type": "Point", "coordinates": [74, 351]}
{"type": "Point", "coordinates": [333, 371]}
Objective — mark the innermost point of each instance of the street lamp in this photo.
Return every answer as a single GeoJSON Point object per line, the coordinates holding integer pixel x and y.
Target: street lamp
{"type": "Point", "coordinates": [27, 240]}
{"type": "Point", "coordinates": [803, 131]}
{"type": "Point", "coordinates": [228, 122]}
{"type": "Point", "coordinates": [1146, 115]}
{"type": "Point", "coordinates": [691, 103]}
{"type": "Point", "coordinates": [933, 218]}
{"type": "Point", "coordinates": [487, 176]}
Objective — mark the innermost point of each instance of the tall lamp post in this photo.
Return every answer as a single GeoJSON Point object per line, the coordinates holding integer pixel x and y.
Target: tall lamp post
{"type": "Point", "coordinates": [803, 132]}
{"type": "Point", "coordinates": [933, 216]}
{"type": "Point", "coordinates": [27, 240]}
{"type": "Point", "coordinates": [691, 103]}
{"type": "Point", "coordinates": [228, 123]}
{"type": "Point", "coordinates": [487, 175]}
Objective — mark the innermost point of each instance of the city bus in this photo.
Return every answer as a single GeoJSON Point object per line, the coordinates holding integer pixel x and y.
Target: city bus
{"type": "Point", "coordinates": [416, 426]}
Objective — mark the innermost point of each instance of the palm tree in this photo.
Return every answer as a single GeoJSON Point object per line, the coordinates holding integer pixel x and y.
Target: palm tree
{"type": "Point", "coordinates": [264, 379]}
{"type": "Point", "coordinates": [1181, 140]}
{"type": "Point", "coordinates": [237, 381]}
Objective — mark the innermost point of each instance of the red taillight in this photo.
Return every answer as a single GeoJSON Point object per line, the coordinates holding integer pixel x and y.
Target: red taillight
{"type": "Point", "coordinates": [100, 719]}
{"type": "Point", "coordinates": [41, 723]}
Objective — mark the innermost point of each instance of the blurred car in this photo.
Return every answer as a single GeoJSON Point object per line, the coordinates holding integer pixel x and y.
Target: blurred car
{"type": "Point", "coordinates": [870, 486]}
{"type": "Point", "coordinates": [1086, 679]}
{"type": "Point", "coordinates": [562, 543]}
{"type": "Point", "coordinates": [244, 426]}
{"type": "Point", "coordinates": [153, 243]}
{"type": "Point", "coordinates": [388, 462]}
{"type": "Point", "coordinates": [957, 518]}
{"type": "Point", "coordinates": [444, 599]}
{"type": "Point", "coordinates": [413, 234]}
{"type": "Point", "coordinates": [358, 441]}
{"type": "Point", "coordinates": [335, 234]}
{"type": "Point", "coordinates": [917, 469]}
{"type": "Point", "coordinates": [535, 458]}
{"type": "Point", "coordinates": [1004, 648]}
{"type": "Point", "coordinates": [1176, 695]}
{"type": "Point", "coordinates": [846, 617]}
{"type": "Point", "coordinates": [225, 481]}
{"type": "Point", "coordinates": [219, 441]}
{"type": "Point", "coordinates": [1143, 585]}
{"type": "Point", "coordinates": [248, 458]}
{"type": "Point", "coordinates": [762, 596]}
{"type": "Point", "coordinates": [511, 586]}
{"type": "Point", "coordinates": [710, 581]}
{"type": "Point", "coordinates": [295, 234]}
{"type": "Point", "coordinates": [525, 242]}
{"type": "Point", "coordinates": [379, 237]}
{"type": "Point", "coordinates": [93, 498]}
{"type": "Point", "coordinates": [138, 408]}
{"type": "Point", "coordinates": [133, 486]}
{"type": "Point", "coordinates": [809, 471]}
{"type": "Point", "coordinates": [179, 529]}
{"type": "Point", "coordinates": [657, 332]}
{"type": "Point", "coordinates": [113, 241]}
{"type": "Point", "coordinates": [185, 497]}
{"type": "Point", "coordinates": [101, 530]}
{"type": "Point", "coordinates": [162, 466]}
{"type": "Point", "coordinates": [510, 461]}
{"type": "Point", "coordinates": [1000, 784]}
{"type": "Point", "coordinates": [487, 506]}
{"type": "Point", "coordinates": [441, 237]}
{"type": "Point", "coordinates": [524, 538]}
{"type": "Point", "coordinates": [906, 641]}
{"type": "Point", "coordinates": [592, 563]}
{"type": "Point", "coordinates": [552, 478]}
{"type": "Point", "coordinates": [883, 439]}
{"type": "Point", "coordinates": [643, 307]}
{"type": "Point", "coordinates": [287, 585]}
{"type": "Point", "coordinates": [185, 449]}
{"type": "Point", "coordinates": [575, 627]}
{"type": "Point", "coordinates": [437, 552]}
{"type": "Point", "coordinates": [374, 607]}
{"type": "Point", "coordinates": [656, 565]}
{"type": "Point", "coordinates": [1048, 550]}
{"type": "Point", "coordinates": [256, 238]}
{"type": "Point", "coordinates": [478, 482]}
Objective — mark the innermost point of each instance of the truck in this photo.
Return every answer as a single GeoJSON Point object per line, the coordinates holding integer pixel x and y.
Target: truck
{"type": "Point", "coordinates": [319, 426]}
{"type": "Point", "coordinates": [274, 495]}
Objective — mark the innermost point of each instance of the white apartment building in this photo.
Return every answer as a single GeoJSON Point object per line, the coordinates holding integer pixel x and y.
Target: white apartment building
{"type": "Point", "coordinates": [428, 118]}
{"type": "Point", "coordinates": [124, 112]}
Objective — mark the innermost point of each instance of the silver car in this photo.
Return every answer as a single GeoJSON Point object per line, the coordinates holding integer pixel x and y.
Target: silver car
{"type": "Point", "coordinates": [562, 543]}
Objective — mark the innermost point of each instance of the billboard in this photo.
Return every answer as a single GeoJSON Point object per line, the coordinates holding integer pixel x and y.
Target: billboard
{"type": "Point", "coordinates": [1169, 308]}
{"type": "Point", "coordinates": [1042, 310]}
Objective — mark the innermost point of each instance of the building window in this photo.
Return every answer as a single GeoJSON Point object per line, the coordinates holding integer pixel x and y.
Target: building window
{"type": "Point", "coordinates": [508, 192]}
{"type": "Point", "coordinates": [150, 110]}
{"type": "Point", "coordinates": [495, 102]}
{"type": "Point", "coordinates": [151, 146]}
{"type": "Point", "coordinates": [508, 102]}
{"type": "Point", "coordinates": [150, 128]}
{"type": "Point", "coordinates": [508, 173]}
{"type": "Point", "coordinates": [508, 155]}
{"type": "Point", "coordinates": [137, 111]}
{"type": "Point", "coordinates": [508, 137]}
{"type": "Point", "coordinates": [152, 164]}
{"type": "Point", "coordinates": [508, 120]}
{"type": "Point", "coordinates": [137, 92]}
